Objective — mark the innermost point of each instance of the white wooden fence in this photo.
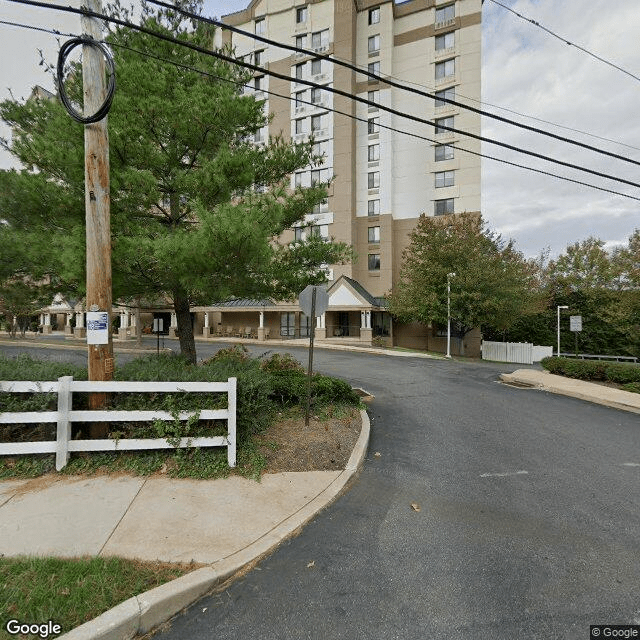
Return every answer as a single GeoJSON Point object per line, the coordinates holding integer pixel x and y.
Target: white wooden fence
{"type": "Point", "coordinates": [65, 415]}
{"type": "Point", "coordinates": [520, 352]}
{"type": "Point", "coordinates": [517, 352]}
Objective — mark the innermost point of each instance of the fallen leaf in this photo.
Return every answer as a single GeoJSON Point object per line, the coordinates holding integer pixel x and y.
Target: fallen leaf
{"type": "Point", "coordinates": [311, 564]}
{"type": "Point", "coordinates": [415, 506]}
{"type": "Point", "coordinates": [377, 454]}
{"type": "Point", "coordinates": [203, 610]}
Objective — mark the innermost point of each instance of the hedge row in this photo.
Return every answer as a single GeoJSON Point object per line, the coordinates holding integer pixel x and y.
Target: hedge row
{"type": "Point", "coordinates": [593, 370]}
{"type": "Point", "coordinates": [264, 385]}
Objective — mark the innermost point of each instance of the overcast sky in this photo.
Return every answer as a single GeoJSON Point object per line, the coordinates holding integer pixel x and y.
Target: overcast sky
{"type": "Point", "coordinates": [524, 69]}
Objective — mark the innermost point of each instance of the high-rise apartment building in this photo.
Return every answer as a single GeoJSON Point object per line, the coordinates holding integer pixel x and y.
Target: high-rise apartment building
{"type": "Point", "coordinates": [383, 179]}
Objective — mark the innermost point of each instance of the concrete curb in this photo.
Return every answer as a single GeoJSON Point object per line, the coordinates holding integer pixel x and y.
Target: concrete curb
{"type": "Point", "coordinates": [144, 612]}
{"type": "Point", "coordinates": [580, 389]}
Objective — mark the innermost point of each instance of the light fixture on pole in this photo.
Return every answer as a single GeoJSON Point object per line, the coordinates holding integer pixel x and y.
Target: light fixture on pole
{"type": "Point", "coordinates": [449, 276]}
{"type": "Point", "coordinates": [564, 306]}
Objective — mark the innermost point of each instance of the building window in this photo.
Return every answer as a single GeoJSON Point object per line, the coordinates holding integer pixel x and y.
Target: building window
{"type": "Point", "coordinates": [373, 179]}
{"type": "Point", "coordinates": [316, 123]}
{"type": "Point", "coordinates": [300, 99]}
{"type": "Point", "coordinates": [374, 262]}
{"type": "Point", "coordinates": [374, 44]}
{"type": "Point", "coordinates": [443, 122]}
{"type": "Point", "coordinates": [443, 152]}
{"type": "Point", "coordinates": [374, 234]}
{"type": "Point", "coordinates": [260, 26]}
{"type": "Point", "coordinates": [374, 96]}
{"type": "Point", "coordinates": [301, 15]}
{"type": "Point", "coordinates": [373, 154]}
{"type": "Point", "coordinates": [299, 70]}
{"type": "Point", "coordinates": [301, 41]}
{"type": "Point", "coordinates": [374, 67]}
{"type": "Point", "coordinates": [298, 179]}
{"type": "Point", "coordinates": [257, 83]}
{"type": "Point", "coordinates": [446, 41]}
{"type": "Point", "coordinates": [316, 95]}
{"type": "Point", "coordinates": [373, 125]}
{"type": "Point", "coordinates": [320, 39]}
{"type": "Point", "coordinates": [316, 176]}
{"type": "Point", "coordinates": [298, 234]}
{"type": "Point", "coordinates": [443, 207]}
{"type": "Point", "coordinates": [258, 57]}
{"type": "Point", "coordinates": [300, 125]}
{"type": "Point", "coordinates": [444, 179]}
{"type": "Point", "coordinates": [373, 207]}
{"type": "Point", "coordinates": [316, 67]}
{"type": "Point", "coordinates": [443, 14]}
{"type": "Point", "coordinates": [445, 69]}
{"type": "Point", "coordinates": [374, 15]}
{"type": "Point", "coordinates": [448, 94]}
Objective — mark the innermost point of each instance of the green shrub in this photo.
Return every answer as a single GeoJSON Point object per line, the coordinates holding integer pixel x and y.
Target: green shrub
{"type": "Point", "coordinates": [236, 353]}
{"type": "Point", "coordinates": [634, 387]}
{"type": "Point", "coordinates": [281, 362]}
{"type": "Point", "coordinates": [290, 387]}
{"type": "Point", "coordinates": [593, 369]}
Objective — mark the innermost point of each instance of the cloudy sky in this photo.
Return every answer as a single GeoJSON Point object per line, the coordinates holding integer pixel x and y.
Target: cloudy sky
{"type": "Point", "coordinates": [525, 70]}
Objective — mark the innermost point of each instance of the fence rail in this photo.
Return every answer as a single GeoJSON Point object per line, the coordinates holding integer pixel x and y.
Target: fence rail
{"type": "Point", "coordinates": [65, 416]}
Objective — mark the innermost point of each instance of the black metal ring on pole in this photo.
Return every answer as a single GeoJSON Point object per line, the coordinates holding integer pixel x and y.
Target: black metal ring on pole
{"type": "Point", "coordinates": [63, 54]}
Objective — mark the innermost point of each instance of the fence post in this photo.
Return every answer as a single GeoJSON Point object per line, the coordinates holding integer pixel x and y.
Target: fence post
{"type": "Point", "coordinates": [231, 422]}
{"type": "Point", "coordinates": [64, 427]}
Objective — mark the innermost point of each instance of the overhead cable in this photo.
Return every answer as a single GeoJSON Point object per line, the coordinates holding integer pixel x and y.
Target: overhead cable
{"type": "Point", "coordinates": [281, 76]}
{"type": "Point", "coordinates": [387, 80]}
{"type": "Point", "coordinates": [563, 39]}
{"type": "Point", "coordinates": [366, 120]}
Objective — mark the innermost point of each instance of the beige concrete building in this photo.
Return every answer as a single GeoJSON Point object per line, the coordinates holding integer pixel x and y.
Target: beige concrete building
{"type": "Point", "coordinates": [383, 180]}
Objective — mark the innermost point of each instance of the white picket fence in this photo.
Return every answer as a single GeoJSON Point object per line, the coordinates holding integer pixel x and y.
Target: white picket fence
{"type": "Point", "coordinates": [65, 415]}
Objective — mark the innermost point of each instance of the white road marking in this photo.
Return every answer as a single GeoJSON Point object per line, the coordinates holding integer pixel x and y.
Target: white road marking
{"type": "Point", "coordinates": [503, 475]}
{"type": "Point", "coordinates": [630, 464]}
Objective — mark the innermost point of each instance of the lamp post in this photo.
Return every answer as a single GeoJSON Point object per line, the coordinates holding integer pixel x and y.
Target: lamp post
{"type": "Point", "coordinates": [449, 276]}
{"type": "Point", "coordinates": [564, 306]}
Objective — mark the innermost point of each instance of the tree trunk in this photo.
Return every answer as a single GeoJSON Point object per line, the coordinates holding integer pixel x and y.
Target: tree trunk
{"type": "Point", "coordinates": [185, 330]}
{"type": "Point", "coordinates": [138, 325]}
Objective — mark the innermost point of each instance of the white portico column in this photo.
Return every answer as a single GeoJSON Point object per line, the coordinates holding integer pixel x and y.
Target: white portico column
{"type": "Point", "coordinates": [174, 325]}
{"type": "Point", "coordinates": [366, 334]}
{"type": "Point", "coordinates": [80, 331]}
{"type": "Point", "coordinates": [206, 331]}
{"type": "Point", "coordinates": [261, 326]}
{"type": "Point", "coordinates": [47, 323]}
{"type": "Point", "coordinates": [123, 332]}
{"type": "Point", "coordinates": [321, 327]}
{"type": "Point", "coordinates": [68, 329]}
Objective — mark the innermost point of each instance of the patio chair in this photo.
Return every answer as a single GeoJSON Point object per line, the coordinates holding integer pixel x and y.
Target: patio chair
{"type": "Point", "coordinates": [247, 333]}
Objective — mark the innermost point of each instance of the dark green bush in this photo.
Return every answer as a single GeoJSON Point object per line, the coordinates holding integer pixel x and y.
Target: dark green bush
{"type": "Point", "coordinates": [290, 387]}
{"type": "Point", "coordinates": [593, 369]}
{"type": "Point", "coordinates": [281, 362]}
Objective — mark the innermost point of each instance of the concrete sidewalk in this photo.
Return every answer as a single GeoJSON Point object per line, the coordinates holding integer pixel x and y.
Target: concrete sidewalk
{"type": "Point", "coordinates": [590, 391]}
{"type": "Point", "coordinates": [227, 524]}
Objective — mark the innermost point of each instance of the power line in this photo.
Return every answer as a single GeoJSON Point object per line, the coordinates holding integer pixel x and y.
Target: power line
{"type": "Point", "coordinates": [563, 39]}
{"type": "Point", "coordinates": [256, 68]}
{"type": "Point", "coordinates": [54, 32]}
{"type": "Point", "coordinates": [336, 111]}
{"type": "Point", "coordinates": [366, 120]}
{"type": "Point", "coordinates": [388, 80]}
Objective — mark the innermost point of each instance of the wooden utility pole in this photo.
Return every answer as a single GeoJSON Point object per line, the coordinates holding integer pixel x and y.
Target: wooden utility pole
{"type": "Point", "coordinates": [97, 206]}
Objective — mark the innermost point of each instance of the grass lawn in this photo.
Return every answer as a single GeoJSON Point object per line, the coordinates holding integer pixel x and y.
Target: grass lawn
{"type": "Point", "coordinates": [72, 591]}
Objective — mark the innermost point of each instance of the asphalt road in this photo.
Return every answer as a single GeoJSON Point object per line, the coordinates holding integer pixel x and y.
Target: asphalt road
{"type": "Point", "coordinates": [528, 523]}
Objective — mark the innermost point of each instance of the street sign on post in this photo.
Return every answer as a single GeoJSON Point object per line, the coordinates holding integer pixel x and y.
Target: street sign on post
{"type": "Point", "coordinates": [575, 323]}
{"type": "Point", "coordinates": [322, 300]}
{"type": "Point", "coordinates": [313, 301]}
